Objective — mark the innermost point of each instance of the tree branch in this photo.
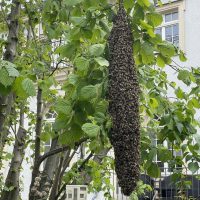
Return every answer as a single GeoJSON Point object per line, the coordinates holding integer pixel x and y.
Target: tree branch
{"type": "Point", "coordinates": [96, 158]}
{"type": "Point", "coordinates": [59, 150]}
{"type": "Point", "coordinates": [79, 170]}
{"type": "Point", "coordinates": [81, 167]}
{"type": "Point", "coordinates": [53, 152]}
{"type": "Point", "coordinates": [38, 127]}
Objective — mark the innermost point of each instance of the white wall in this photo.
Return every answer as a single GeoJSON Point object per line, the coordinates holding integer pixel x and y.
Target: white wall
{"type": "Point", "coordinates": [191, 41]}
{"type": "Point", "coordinates": [192, 30]}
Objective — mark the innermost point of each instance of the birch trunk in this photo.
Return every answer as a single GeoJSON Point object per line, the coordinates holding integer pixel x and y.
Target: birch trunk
{"type": "Point", "coordinates": [9, 55]}
{"type": "Point", "coordinates": [12, 180]}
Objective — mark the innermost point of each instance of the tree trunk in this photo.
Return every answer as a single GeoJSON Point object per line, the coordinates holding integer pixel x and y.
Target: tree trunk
{"type": "Point", "coordinates": [54, 188]}
{"type": "Point", "coordinates": [12, 180]}
{"type": "Point", "coordinates": [38, 129]}
{"type": "Point", "coordinates": [49, 170]}
{"type": "Point", "coordinates": [7, 102]}
{"type": "Point", "coordinates": [9, 55]}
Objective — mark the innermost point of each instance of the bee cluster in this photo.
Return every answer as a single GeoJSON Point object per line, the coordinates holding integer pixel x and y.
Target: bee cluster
{"type": "Point", "coordinates": [123, 94]}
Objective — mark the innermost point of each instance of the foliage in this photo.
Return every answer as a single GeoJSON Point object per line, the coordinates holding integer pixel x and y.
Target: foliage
{"type": "Point", "coordinates": [141, 190]}
{"type": "Point", "coordinates": [81, 29]}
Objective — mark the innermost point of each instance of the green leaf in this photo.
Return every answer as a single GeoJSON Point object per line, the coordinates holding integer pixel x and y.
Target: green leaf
{"type": "Point", "coordinates": [87, 32]}
{"type": "Point", "coordinates": [18, 89]}
{"type": "Point", "coordinates": [184, 75]}
{"type": "Point", "coordinates": [67, 50]}
{"type": "Point", "coordinates": [152, 154]}
{"type": "Point", "coordinates": [153, 170]}
{"type": "Point", "coordinates": [102, 61]}
{"type": "Point", "coordinates": [179, 127]}
{"type": "Point", "coordinates": [4, 90]}
{"type": "Point", "coordinates": [195, 103]}
{"type": "Point", "coordinates": [99, 117]}
{"type": "Point", "coordinates": [195, 90]}
{"type": "Point", "coordinates": [88, 92]}
{"type": "Point", "coordinates": [82, 64]}
{"type": "Point", "coordinates": [104, 26]}
{"type": "Point", "coordinates": [153, 103]}
{"type": "Point", "coordinates": [10, 67]}
{"type": "Point", "coordinates": [45, 137]}
{"type": "Point", "coordinates": [160, 61]}
{"type": "Point", "coordinates": [179, 93]}
{"type": "Point", "coordinates": [63, 14]}
{"type": "Point", "coordinates": [60, 123]}
{"type": "Point", "coordinates": [190, 128]}
{"type": "Point", "coordinates": [166, 49]}
{"type": "Point", "coordinates": [28, 86]}
{"type": "Point", "coordinates": [147, 53]}
{"type": "Point", "coordinates": [96, 49]}
{"type": "Point", "coordinates": [164, 154]}
{"type": "Point", "coordinates": [63, 106]}
{"type": "Point", "coordinates": [72, 79]}
{"type": "Point", "coordinates": [138, 14]}
{"type": "Point", "coordinates": [71, 136]}
{"type": "Point", "coordinates": [64, 139]}
{"type": "Point", "coordinates": [136, 47]}
{"type": "Point", "coordinates": [155, 18]}
{"type": "Point", "coordinates": [128, 4]}
{"type": "Point", "coordinates": [182, 56]}
{"type": "Point", "coordinates": [90, 129]}
{"type": "Point", "coordinates": [147, 27]}
{"type": "Point", "coordinates": [5, 79]}
{"type": "Point", "coordinates": [101, 106]}
{"type": "Point", "coordinates": [72, 2]}
{"type": "Point", "coordinates": [12, 71]}
{"type": "Point", "coordinates": [81, 21]}
{"type": "Point", "coordinates": [144, 3]}
{"type": "Point", "coordinates": [193, 167]}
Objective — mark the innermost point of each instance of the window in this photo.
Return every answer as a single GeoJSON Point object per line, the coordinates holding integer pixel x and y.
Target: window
{"type": "Point", "coordinates": [171, 16]}
{"type": "Point", "coordinates": [82, 196]}
{"type": "Point", "coordinates": [49, 119]}
{"type": "Point", "coordinates": [169, 30]}
{"type": "Point", "coordinates": [160, 164]}
{"type": "Point", "coordinates": [69, 196]}
{"type": "Point", "coordinates": [76, 192]}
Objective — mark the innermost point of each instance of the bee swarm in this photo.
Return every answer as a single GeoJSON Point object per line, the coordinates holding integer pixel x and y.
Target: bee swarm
{"type": "Point", "coordinates": [123, 94]}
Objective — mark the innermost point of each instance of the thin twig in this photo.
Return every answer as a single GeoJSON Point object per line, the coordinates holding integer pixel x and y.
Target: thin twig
{"type": "Point", "coordinates": [174, 68]}
{"type": "Point", "coordinates": [57, 64]}
{"type": "Point", "coordinates": [177, 64]}
{"type": "Point", "coordinates": [85, 161]}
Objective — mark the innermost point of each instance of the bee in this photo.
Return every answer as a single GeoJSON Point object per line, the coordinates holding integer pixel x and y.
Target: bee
{"type": "Point", "coordinates": [123, 94]}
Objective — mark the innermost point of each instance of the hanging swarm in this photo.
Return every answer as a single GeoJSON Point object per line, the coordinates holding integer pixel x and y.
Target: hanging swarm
{"type": "Point", "coordinates": [124, 104]}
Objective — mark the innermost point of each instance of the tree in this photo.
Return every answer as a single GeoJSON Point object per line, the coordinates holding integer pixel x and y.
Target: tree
{"type": "Point", "coordinates": [79, 29]}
